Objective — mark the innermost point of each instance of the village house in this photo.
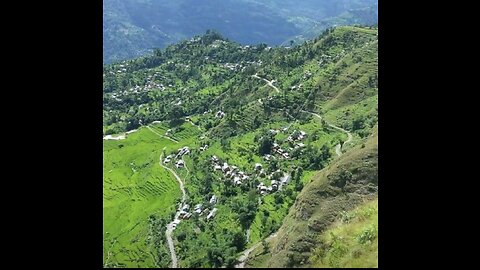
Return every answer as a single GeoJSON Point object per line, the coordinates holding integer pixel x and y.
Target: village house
{"type": "Point", "coordinates": [219, 114]}
{"type": "Point", "coordinates": [213, 200]}
{"type": "Point", "coordinates": [236, 180]}
{"type": "Point", "coordinates": [183, 151]}
{"type": "Point", "coordinates": [198, 208]}
{"type": "Point", "coordinates": [258, 166]}
{"type": "Point", "coordinates": [268, 157]}
{"type": "Point", "coordinates": [274, 184]}
{"type": "Point", "coordinates": [212, 213]}
{"type": "Point", "coordinates": [180, 164]}
{"type": "Point", "coordinates": [225, 167]}
{"type": "Point", "coordinates": [273, 132]}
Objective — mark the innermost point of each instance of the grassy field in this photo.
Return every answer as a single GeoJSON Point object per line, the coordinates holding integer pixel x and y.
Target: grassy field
{"type": "Point", "coordinates": [352, 241]}
{"type": "Point", "coordinates": [135, 187]}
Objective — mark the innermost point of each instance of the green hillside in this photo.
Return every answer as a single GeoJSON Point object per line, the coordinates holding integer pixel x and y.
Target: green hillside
{"type": "Point", "coordinates": [305, 233]}
{"type": "Point", "coordinates": [308, 115]}
{"type": "Point", "coordinates": [352, 241]}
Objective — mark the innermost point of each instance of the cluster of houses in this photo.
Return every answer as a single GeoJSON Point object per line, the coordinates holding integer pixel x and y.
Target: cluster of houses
{"type": "Point", "coordinates": [217, 43]}
{"type": "Point", "coordinates": [296, 86]}
{"type": "Point", "coordinates": [219, 114]}
{"type": "Point", "coordinates": [232, 67]}
{"type": "Point", "coordinates": [278, 150]}
{"type": "Point", "coordinates": [180, 153]}
{"type": "Point", "coordinates": [199, 210]}
{"type": "Point", "coordinates": [121, 68]}
{"type": "Point", "coordinates": [307, 75]}
{"type": "Point", "coordinates": [229, 172]}
{"type": "Point", "coordinates": [297, 136]}
{"type": "Point", "coordinates": [277, 181]}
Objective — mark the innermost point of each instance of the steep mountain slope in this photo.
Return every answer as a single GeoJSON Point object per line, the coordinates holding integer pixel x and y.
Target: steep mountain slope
{"type": "Point", "coordinates": [346, 183]}
{"type": "Point", "coordinates": [351, 241]}
{"type": "Point", "coordinates": [134, 27]}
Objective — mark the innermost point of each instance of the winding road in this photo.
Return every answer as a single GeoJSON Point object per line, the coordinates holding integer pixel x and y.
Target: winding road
{"type": "Point", "coordinates": [176, 220]}
{"type": "Point", "coordinates": [190, 121]}
{"type": "Point", "coordinates": [173, 140]}
{"type": "Point", "coordinates": [245, 253]}
{"type": "Point", "coordinates": [338, 147]}
{"type": "Point", "coordinates": [270, 83]}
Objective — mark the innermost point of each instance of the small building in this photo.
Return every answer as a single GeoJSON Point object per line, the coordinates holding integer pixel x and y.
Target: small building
{"type": "Point", "coordinates": [258, 166]}
{"type": "Point", "coordinates": [225, 167]}
{"type": "Point", "coordinates": [180, 164]}
{"type": "Point", "coordinates": [212, 213]}
{"type": "Point", "coordinates": [213, 200]}
{"type": "Point", "coordinates": [214, 159]}
{"type": "Point", "coordinates": [218, 167]}
{"type": "Point", "coordinates": [219, 114]}
{"type": "Point", "coordinates": [198, 208]}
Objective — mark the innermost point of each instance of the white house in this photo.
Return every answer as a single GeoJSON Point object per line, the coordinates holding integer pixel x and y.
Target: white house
{"type": "Point", "coordinates": [212, 213]}
{"type": "Point", "coordinates": [213, 199]}
{"type": "Point", "coordinates": [180, 164]}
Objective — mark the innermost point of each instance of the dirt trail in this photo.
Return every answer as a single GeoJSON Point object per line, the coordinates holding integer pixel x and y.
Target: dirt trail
{"type": "Point", "coordinates": [338, 147]}
{"type": "Point", "coordinates": [176, 220]}
{"type": "Point", "coordinates": [242, 259]}
{"type": "Point", "coordinates": [163, 136]}
{"type": "Point", "coordinates": [194, 124]}
{"type": "Point", "coordinates": [270, 83]}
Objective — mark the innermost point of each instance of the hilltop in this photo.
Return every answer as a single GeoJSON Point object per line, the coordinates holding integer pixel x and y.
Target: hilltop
{"type": "Point", "coordinates": [133, 28]}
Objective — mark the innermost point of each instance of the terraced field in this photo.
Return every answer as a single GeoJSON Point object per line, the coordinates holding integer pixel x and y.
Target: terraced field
{"type": "Point", "coordinates": [135, 188]}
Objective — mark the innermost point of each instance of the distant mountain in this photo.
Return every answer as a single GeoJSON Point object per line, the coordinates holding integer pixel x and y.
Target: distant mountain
{"type": "Point", "coordinates": [133, 28]}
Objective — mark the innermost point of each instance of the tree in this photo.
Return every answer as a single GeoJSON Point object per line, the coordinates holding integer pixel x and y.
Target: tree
{"type": "Point", "coordinates": [239, 240]}
{"type": "Point", "coordinates": [266, 144]}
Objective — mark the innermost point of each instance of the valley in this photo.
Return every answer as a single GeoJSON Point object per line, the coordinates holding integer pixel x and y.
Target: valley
{"type": "Point", "coordinates": [210, 146]}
